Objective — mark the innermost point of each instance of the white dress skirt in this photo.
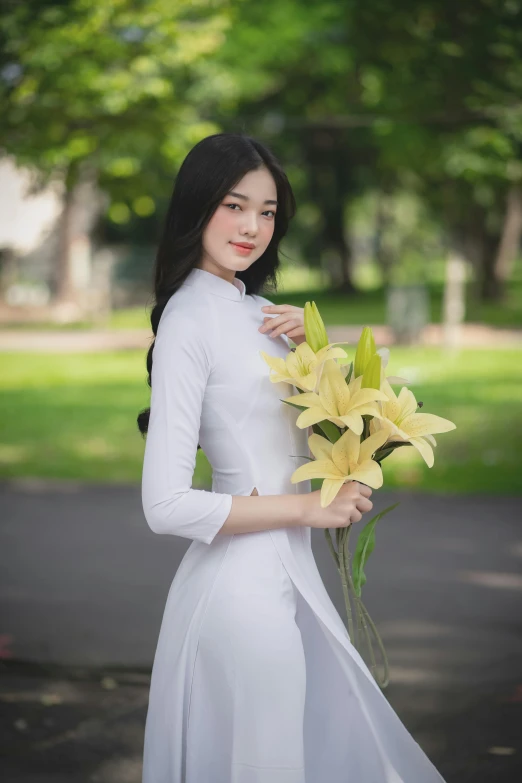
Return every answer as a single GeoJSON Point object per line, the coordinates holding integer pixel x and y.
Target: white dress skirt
{"type": "Point", "coordinates": [255, 679]}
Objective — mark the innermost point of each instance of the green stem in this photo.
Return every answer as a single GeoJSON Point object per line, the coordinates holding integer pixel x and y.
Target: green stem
{"type": "Point", "coordinates": [365, 624]}
{"type": "Point", "coordinates": [359, 623]}
{"type": "Point", "coordinates": [380, 644]}
{"type": "Point", "coordinates": [364, 616]}
{"type": "Point", "coordinates": [331, 547]}
{"type": "Point", "coordinates": [344, 581]}
{"type": "Point", "coordinates": [369, 644]}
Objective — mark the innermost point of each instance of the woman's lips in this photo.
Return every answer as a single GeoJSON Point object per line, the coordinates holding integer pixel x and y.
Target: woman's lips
{"type": "Point", "coordinates": [244, 251]}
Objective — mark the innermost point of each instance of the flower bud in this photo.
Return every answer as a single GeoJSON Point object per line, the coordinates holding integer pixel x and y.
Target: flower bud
{"type": "Point", "coordinates": [315, 332]}
{"type": "Point", "coordinates": [365, 350]}
{"type": "Point", "coordinates": [372, 373]}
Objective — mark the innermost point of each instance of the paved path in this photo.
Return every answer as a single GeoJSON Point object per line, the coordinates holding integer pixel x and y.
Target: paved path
{"type": "Point", "coordinates": [471, 336]}
{"type": "Point", "coordinates": [84, 583]}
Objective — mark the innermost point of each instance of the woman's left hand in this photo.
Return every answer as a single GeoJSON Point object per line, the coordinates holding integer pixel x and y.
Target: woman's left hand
{"type": "Point", "coordinates": [289, 322]}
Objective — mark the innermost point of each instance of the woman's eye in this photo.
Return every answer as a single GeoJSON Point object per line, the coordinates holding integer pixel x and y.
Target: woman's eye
{"type": "Point", "coordinates": [271, 211]}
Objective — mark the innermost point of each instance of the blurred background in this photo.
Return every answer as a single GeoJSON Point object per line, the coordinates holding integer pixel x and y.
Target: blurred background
{"type": "Point", "coordinates": [400, 129]}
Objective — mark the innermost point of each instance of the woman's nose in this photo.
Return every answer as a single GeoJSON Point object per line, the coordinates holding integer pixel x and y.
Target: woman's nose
{"type": "Point", "coordinates": [250, 224]}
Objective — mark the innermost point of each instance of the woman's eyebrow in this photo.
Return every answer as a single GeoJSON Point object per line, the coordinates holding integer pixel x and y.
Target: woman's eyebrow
{"type": "Point", "coordinates": [245, 198]}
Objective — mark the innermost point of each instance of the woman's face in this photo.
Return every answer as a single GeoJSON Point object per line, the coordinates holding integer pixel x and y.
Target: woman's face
{"type": "Point", "coordinates": [246, 215]}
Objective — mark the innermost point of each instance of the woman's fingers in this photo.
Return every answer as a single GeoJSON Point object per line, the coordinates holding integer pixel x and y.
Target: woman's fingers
{"type": "Point", "coordinates": [284, 308]}
{"type": "Point", "coordinates": [355, 516]}
{"type": "Point", "coordinates": [279, 325]}
{"type": "Point", "coordinates": [364, 505]}
{"type": "Point", "coordinates": [365, 490]}
{"type": "Point", "coordinates": [276, 320]}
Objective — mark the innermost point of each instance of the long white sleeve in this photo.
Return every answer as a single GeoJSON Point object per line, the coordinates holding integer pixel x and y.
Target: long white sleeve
{"type": "Point", "coordinates": [180, 370]}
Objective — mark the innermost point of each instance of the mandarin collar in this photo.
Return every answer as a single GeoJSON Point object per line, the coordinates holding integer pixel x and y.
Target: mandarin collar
{"type": "Point", "coordinates": [216, 285]}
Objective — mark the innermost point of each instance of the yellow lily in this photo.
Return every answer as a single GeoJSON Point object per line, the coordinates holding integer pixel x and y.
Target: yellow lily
{"type": "Point", "coordinates": [345, 460]}
{"type": "Point", "coordinates": [343, 404]}
{"type": "Point", "coordinates": [301, 367]}
{"type": "Point", "coordinates": [402, 422]}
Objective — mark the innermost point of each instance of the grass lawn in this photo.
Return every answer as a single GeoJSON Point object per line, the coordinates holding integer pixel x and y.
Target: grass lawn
{"type": "Point", "coordinates": [364, 307]}
{"type": "Point", "coordinates": [73, 416]}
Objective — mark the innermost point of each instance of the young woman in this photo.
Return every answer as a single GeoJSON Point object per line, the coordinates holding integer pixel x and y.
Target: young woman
{"type": "Point", "coordinates": [254, 678]}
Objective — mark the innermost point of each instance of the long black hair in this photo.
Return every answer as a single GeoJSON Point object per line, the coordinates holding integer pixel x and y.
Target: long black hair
{"type": "Point", "coordinates": [211, 170]}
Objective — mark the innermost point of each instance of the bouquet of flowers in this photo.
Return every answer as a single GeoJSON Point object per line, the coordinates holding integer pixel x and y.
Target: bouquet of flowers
{"type": "Point", "coordinates": [357, 421]}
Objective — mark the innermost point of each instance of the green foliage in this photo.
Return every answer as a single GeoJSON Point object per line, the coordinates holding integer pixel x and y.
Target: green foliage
{"type": "Point", "coordinates": [411, 102]}
{"type": "Point", "coordinates": [108, 88]}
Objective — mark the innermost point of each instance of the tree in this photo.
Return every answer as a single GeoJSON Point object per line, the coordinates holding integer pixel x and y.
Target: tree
{"type": "Point", "coordinates": [107, 92]}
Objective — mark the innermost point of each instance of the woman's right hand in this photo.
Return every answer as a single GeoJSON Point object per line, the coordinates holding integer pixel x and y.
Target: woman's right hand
{"type": "Point", "coordinates": [348, 506]}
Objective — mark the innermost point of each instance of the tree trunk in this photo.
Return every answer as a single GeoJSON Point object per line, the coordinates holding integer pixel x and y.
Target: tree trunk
{"type": "Point", "coordinates": [382, 253]}
{"type": "Point", "coordinates": [335, 242]}
{"type": "Point", "coordinates": [74, 283]}
{"type": "Point", "coordinates": [479, 248]}
{"type": "Point", "coordinates": [509, 241]}
{"type": "Point", "coordinates": [328, 161]}
{"type": "Point", "coordinates": [454, 299]}
{"type": "Point", "coordinates": [489, 287]}
{"type": "Point", "coordinates": [63, 273]}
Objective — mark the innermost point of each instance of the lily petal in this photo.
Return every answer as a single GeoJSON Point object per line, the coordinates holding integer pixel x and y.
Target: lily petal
{"type": "Point", "coordinates": [387, 389]}
{"type": "Point", "coordinates": [424, 450]}
{"type": "Point", "coordinates": [330, 353]}
{"type": "Point", "coordinates": [308, 381]}
{"type": "Point", "coordinates": [318, 468]}
{"type": "Point", "coordinates": [294, 367]}
{"type": "Point", "coordinates": [370, 445]}
{"type": "Point", "coordinates": [420, 424]}
{"type": "Point", "coordinates": [311, 416]}
{"type": "Point", "coordinates": [368, 472]}
{"type": "Point", "coordinates": [320, 447]}
{"type": "Point", "coordinates": [277, 378]}
{"type": "Point", "coordinates": [346, 450]}
{"type": "Point", "coordinates": [391, 409]}
{"type": "Point", "coordinates": [364, 396]}
{"type": "Point", "coordinates": [339, 388]}
{"type": "Point", "coordinates": [308, 399]}
{"type": "Point", "coordinates": [407, 402]}
{"type": "Point", "coordinates": [354, 421]}
{"type": "Point", "coordinates": [329, 490]}
{"type": "Point", "coordinates": [368, 410]}
{"type": "Point", "coordinates": [275, 363]}
{"type": "Point", "coordinates": [305, 353]}
{"type": "Point", "coordinates": [328, 390]}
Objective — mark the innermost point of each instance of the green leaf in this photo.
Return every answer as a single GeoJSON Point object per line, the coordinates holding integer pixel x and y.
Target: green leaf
{"type": "Point", "coordinates": [364, 548]}
{"type": "Point", "coordinates": [388, 449]}
{"type": "Point", "coordinates": [329, 430]}
{"type": "Point", "coordinates": [349, 373]}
